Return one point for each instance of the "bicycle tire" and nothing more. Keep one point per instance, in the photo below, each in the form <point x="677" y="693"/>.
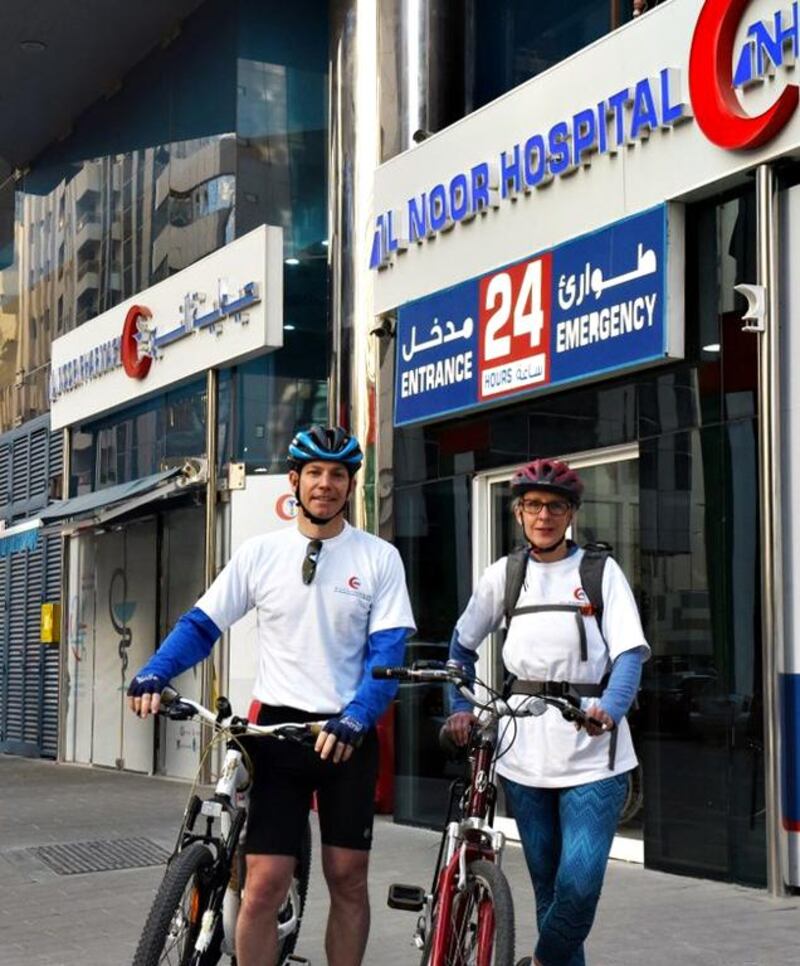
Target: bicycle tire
<point x="301" y="877"/>
<point x="160" y="943"/>
<point x="487" y="891"/>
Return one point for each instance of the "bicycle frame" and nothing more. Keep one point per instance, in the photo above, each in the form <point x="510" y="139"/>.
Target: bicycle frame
<point x="229" y="806"/>
<point x="463" y="842"/>
<point x="472" y="839"/>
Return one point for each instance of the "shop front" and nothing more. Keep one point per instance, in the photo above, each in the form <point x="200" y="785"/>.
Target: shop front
<point x="557" y="274"/>
<point x="139" y="553"/>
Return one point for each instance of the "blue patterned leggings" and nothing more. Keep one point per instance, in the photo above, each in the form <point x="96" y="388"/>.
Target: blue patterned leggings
<point x="566" y="834"/>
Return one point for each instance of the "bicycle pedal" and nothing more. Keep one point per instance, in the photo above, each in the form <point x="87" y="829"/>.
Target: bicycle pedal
<point x="408" y="897"/>
<point x="292" y="960"/>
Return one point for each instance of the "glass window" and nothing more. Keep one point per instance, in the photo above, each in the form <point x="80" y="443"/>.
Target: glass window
<point x="519" y="39"/>
<point x="435" y="543"/>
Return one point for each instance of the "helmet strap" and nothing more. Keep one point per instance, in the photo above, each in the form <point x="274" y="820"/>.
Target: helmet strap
<point x="551" y="548"/>
<point x="317" y="521"/>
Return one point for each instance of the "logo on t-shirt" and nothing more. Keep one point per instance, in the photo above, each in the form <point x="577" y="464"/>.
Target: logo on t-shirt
<point x="580" y="594"/>
<point x="353" y="589"/>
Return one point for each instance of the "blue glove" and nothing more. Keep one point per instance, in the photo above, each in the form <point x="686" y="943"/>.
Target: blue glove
<point x="146" y="684"/>
<point x="347" y="729"/>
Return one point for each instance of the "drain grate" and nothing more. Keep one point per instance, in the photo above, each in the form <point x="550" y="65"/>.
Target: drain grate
<point x="73" y="858"/>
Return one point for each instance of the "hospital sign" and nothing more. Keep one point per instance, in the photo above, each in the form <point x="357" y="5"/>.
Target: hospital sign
<point x="592" y="307"/>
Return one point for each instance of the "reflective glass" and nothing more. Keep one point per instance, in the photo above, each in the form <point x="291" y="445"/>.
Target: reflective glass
<point x="435" y="545"/>
<point x="519" y="39"/>
<point x="221" y="130"/>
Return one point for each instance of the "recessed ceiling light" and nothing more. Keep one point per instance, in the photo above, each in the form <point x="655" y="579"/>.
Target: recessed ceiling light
<point x="712" y="347"/>
<point x="32" y="46"/>
<point x="289" y="327"/>
<point x="292" y="261"/>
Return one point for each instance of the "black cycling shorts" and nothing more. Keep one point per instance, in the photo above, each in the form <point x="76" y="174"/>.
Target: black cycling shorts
<point x="285" y="776"/>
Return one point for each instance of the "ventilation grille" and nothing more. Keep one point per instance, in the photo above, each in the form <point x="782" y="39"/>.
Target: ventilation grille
<point x="76" y="858"/>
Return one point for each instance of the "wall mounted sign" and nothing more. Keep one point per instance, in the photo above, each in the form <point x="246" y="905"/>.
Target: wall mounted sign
<point x="690" y="94"/>
<point x="605" y="302"/>
<point x="222" y="309"/>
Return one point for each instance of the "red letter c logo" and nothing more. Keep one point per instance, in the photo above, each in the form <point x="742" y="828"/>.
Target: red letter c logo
<point x="714" y="99"/>
<point x="135" y="367"/>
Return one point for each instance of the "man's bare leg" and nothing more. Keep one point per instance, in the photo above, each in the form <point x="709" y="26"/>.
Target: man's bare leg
<point x="267" y="882"/>
<point x="348" y="920"/>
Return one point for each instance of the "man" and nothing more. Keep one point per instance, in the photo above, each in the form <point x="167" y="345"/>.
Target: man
<point x="332" y="603"/>
<point x="566" y="788"/>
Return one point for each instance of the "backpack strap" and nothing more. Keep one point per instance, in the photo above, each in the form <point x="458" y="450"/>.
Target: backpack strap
<point x="591" y="571"/>
<point x="516" y="565"/>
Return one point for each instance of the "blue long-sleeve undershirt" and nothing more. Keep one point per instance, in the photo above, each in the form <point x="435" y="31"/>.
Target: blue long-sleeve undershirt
<point x="467" y="659"/>
<point x="623" y="683"/>
<point x="194" y="635"/>
<point x="384" y="648"/>
<point x="189" y="642"/>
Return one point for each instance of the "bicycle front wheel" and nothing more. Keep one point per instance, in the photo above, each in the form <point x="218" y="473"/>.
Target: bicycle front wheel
<point x="172" y="928"/>
<point x="480" y="928"/>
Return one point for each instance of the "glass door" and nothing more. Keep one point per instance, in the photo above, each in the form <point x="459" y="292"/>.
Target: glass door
<point x="610" y="513"/>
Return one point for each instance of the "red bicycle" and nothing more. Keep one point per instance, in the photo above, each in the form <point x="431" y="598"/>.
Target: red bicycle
<point x="467" y="917"/>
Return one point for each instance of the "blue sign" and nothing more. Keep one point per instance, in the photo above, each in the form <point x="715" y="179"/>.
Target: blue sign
<point x="593" y="306"/>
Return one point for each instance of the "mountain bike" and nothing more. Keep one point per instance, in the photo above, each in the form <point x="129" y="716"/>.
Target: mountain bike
<point x="192" y="921"/>
<point x="467" y="915"/>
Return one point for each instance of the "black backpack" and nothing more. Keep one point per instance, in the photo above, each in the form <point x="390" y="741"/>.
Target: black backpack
<point x="591" y="574"/>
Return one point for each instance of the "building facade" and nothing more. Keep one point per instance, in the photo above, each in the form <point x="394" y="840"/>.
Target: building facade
<point x="527" y="137"/>
<point x="555" y="275"/>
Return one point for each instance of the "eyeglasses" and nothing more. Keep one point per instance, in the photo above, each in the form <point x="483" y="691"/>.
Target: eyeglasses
<point x="310" y="560"/>
<point x="556" y="508"/>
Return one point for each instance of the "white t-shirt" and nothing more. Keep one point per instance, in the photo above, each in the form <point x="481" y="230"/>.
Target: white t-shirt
<point x="547" y="751"/>
<point x="311" y="638"/>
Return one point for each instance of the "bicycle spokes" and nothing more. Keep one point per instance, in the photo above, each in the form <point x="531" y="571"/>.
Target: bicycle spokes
<point x="472" y="928"/>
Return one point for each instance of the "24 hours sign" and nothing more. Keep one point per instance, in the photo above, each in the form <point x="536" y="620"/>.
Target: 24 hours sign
<point x="595" y="306"/>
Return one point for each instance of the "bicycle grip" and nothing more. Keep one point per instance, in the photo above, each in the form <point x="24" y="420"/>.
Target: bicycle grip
<point x="389" y="673"/>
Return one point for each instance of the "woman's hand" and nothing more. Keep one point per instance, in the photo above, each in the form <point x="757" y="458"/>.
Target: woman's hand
<point x="598" y="714"/>
<point x="459" y="726"/>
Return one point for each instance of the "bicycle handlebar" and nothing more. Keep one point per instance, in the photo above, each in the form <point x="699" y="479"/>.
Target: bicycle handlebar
<point x="431" y="672"/>
<point x="179" y="708"/>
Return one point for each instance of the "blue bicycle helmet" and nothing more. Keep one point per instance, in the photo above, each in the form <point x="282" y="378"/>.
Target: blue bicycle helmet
<point x="331" y="444"/>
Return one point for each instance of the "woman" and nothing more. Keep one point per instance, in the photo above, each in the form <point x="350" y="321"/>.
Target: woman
<point x="566" y="787"/>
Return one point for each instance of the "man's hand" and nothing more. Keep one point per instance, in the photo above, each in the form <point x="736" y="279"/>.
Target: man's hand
<point x="339" y="737"/>
<point x="600" y="715"/>
<point x="144" y="694"/>
<point x="459" y="726"/>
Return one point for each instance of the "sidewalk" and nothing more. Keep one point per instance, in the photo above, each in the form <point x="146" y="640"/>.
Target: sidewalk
<point x="94" y="918"/>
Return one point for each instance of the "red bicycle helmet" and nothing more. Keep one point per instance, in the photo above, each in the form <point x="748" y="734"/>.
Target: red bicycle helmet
<point x="555" y="476"/>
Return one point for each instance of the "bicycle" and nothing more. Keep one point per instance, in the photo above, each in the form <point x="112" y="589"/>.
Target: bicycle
<point x="468" y="913"/>
<point x="193" y="917"/>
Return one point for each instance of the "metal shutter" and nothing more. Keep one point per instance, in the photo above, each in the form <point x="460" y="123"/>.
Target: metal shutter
<point x="48" y="742"/>
<point x="5" y="565"/>
<point x="19" y="468"/>
<point x="15" y="687"/>
<point x="5" y="475"/>
<point x="34" y="667"/>
<point x="37" y="462"/>
<point x="29" y="684"/>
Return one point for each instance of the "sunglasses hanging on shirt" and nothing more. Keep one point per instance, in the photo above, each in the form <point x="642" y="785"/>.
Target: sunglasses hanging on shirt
<point x="310" y="560"/>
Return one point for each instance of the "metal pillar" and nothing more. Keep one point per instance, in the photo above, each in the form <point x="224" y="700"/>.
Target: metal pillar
<point x="63" y="647"/>
<point x="769" y="438"/>
<point x="397" y="67"/>
<point x="354" y="139"/>
<point x="208" y="674"/>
